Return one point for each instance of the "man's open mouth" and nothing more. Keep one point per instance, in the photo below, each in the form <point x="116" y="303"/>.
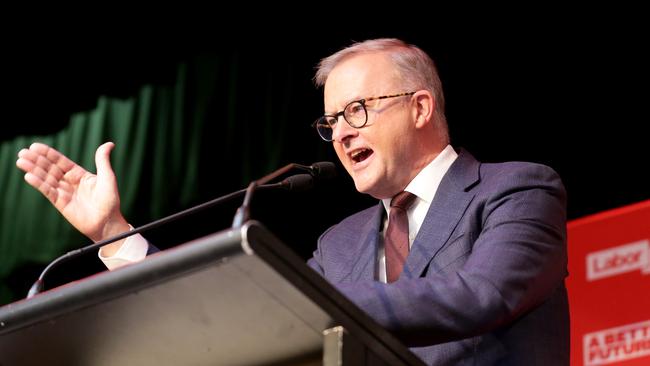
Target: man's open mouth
<point x="360" y="155"/>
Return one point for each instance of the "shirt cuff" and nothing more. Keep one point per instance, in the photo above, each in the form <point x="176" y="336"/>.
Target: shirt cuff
<point x="134" y="249"/>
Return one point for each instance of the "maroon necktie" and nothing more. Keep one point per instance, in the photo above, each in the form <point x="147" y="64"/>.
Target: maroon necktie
<point x="396" y="242"/>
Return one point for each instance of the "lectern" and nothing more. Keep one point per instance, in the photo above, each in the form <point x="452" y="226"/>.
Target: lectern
<point x="236" y="297"/>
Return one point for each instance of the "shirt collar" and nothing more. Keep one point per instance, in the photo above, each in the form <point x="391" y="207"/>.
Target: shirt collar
<point x="426" y="182"/>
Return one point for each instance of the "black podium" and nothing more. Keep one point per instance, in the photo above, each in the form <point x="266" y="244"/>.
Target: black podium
<point x="237" y="297"/>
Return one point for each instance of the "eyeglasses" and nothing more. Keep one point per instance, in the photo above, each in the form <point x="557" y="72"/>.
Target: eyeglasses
<point x="355" y="114"/>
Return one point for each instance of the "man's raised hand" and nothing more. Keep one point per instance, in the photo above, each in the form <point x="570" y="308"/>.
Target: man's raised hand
<point x="90" y="202"/>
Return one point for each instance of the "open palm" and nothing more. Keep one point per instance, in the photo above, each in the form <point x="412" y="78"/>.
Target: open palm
<point x="89" y="202"/>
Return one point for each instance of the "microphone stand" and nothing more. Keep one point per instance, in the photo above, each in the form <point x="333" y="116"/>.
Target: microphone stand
<point x="323" y="169"/>
<point x="300" y="182"/>
<point x="38" y="286"/>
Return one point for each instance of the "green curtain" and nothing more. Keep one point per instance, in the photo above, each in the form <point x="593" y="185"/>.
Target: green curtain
<point x="157" y="122"/>
<point x="225" y="120"/>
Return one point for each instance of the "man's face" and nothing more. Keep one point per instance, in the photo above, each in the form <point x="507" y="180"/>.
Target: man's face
<point x="379" y="155"/>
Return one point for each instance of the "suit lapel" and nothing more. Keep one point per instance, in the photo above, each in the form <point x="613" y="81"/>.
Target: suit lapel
<point x="365" y="261"/>
<point x="446" y="210"/>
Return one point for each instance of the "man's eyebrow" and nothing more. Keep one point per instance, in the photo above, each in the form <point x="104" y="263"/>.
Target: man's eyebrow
<point x="355" y="99"/>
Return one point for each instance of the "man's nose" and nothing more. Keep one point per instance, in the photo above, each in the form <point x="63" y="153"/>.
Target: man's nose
<point x="343" y="131"/>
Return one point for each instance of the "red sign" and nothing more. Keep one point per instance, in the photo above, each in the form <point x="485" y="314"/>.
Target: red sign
<point x="609" y="287"/>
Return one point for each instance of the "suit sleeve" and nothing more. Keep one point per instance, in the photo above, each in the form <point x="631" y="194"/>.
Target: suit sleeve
<point x="315" y="262"/>
<point x="517" y="261"/>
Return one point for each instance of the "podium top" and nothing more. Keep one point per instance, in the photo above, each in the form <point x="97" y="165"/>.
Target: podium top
<point x="234" y="297"/>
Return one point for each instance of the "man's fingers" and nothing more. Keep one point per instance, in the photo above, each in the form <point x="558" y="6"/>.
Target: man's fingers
<point x="34" y="181"/>
<point x="44" y="176"/>
<point x="25" y="165"/>
<point x="41" y="161"/>
<point x="53" y="156"/>
<point x="23" y="153"/>
<point x="52" y="169"/>
<point x="42" y="186"/>
<point x="50" y="161"/>
<point x="34" y="164"/>
<point x="40" y="158"/>
<point x="26" y="159"/>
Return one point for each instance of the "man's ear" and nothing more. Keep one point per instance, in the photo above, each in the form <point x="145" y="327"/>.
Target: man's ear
<point x="425" y="104"/>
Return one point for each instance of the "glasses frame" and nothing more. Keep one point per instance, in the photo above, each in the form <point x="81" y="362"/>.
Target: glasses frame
<point x="362" y="102"/>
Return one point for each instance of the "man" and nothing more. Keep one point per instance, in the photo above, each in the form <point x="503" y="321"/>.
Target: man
<point x="483" y="283"/>
<point x="468" y="268"/>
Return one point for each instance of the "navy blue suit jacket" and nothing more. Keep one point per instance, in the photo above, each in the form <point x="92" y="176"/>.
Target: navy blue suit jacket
<point x="484" y="281"/>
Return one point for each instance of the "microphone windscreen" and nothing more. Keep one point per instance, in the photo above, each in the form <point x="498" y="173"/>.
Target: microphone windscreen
<point x="299" y="182"/>
<point x="324" y="170"/>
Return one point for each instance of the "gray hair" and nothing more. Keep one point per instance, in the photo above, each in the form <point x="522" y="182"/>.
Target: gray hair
<point x="416" y="70"/>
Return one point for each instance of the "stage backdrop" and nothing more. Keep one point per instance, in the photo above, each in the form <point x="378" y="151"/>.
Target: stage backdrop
<point x="609" y="287"/>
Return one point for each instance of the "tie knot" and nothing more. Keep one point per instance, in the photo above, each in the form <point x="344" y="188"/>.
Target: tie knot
<point x="403" y="200"/>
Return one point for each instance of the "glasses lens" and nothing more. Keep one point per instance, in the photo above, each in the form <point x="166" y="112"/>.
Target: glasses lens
<point x="355" y="114"/>
<point x="324" y="127"/>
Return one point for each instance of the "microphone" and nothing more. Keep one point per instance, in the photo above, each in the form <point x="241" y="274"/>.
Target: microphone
<point x="294" y="183"/>
<point x="320" y="170"/>
<point x="324" y="170"/>
<point x="299" y="182"/>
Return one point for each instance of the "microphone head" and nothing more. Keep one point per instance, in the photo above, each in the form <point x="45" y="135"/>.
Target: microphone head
<point x="324" y="170"/>
<point x="299" y="182"/>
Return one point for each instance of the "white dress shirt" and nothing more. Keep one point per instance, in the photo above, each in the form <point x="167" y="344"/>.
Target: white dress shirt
<point x="424" y="186"/>
<point x="134" y="249"/>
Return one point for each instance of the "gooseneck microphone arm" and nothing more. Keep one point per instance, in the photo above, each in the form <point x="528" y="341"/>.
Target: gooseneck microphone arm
<point x="243" y="212"/>
<point x="38" y="286"/>
<point x="297" y="182"/>
<point x="320" y="170"/>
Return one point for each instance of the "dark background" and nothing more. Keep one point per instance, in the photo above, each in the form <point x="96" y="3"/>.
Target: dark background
<point x="568" y="94"/>
<point x="575" y="99"/>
